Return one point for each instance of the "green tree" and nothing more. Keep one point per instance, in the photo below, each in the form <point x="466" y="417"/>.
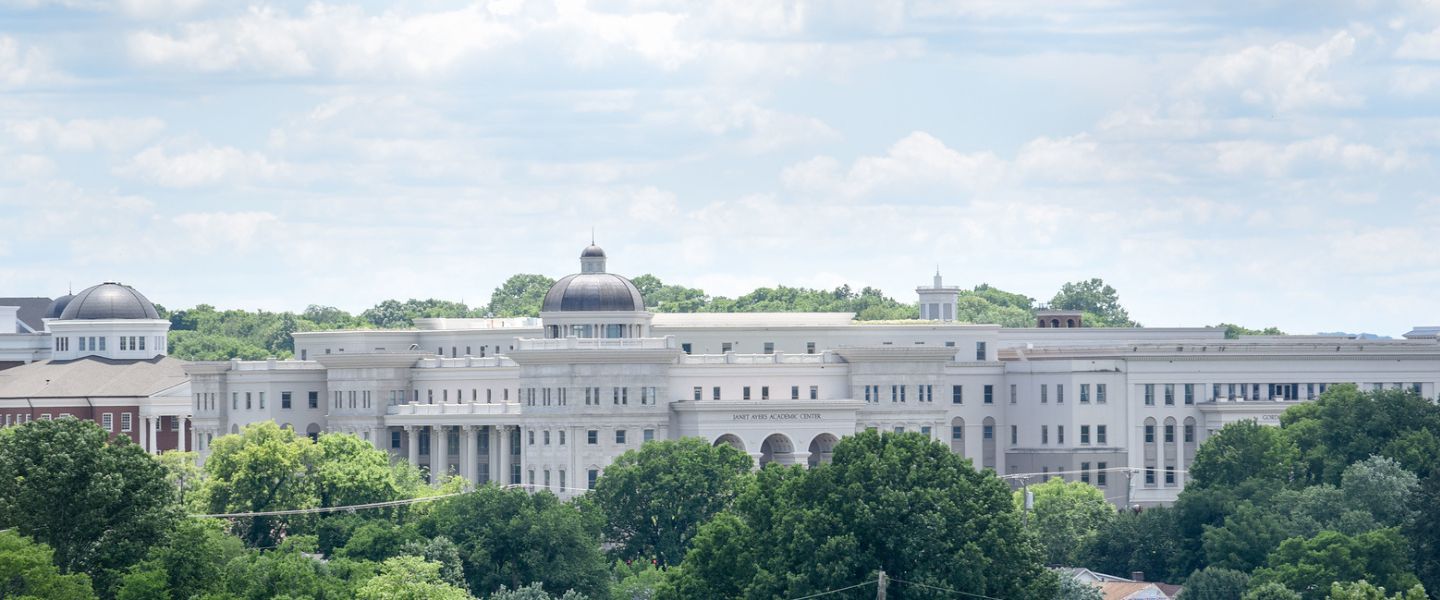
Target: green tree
<point x="636" y="580"/>
<point x="28" y="572"/>
<point x="193" y="345"/>
<point x="184" y="474"/>
<point x="1067" y="517"/>
<point x="1215" y="583"/>
<point x="1423" y="532"/>
<point x="899" y="502"/>
<point x="520" y="296"/>
<point x="189" y="563"/>
<point x="669" y="298"/>
<point x="1345" y="426"/>
<point x="534" y="591"/>
<point x="1099" y="302"/>
<point x="1147" y="542"/>
<point x="410" y="578"/>
<point x="656" y="497"/>
<point x="1074" y="589"/>
<point x="1270" y="591"/>
<point x="1380" y="486"/>
<point x="1233" y="331"/>
<point x="1311" y="565"/>
<point x="444" y="552"/>
<point x="1363" y="590"/>
<point x="1241" y="451"/>
<point x="99" y="502"/>
<point x="145" y="581"/>
<point x="511" y="537"/>
<point x="287" y="572"/>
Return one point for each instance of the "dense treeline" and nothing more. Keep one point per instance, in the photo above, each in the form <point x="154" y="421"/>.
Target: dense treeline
<point x="1340" y="502"/>
<point x="205" y="333"/>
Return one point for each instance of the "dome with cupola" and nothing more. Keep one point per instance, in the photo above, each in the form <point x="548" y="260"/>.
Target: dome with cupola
<point x="592" y="289"/>
<point x="108" y="301"/>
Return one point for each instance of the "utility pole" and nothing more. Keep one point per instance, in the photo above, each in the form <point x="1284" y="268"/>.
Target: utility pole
<point x="880" y="586"/>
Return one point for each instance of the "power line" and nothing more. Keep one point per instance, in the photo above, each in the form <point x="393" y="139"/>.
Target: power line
<point x="827" y="593"/>
<point x="941" y="589"/>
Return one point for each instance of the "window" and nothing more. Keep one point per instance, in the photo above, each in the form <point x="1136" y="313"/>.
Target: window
<point x="314" y="399"/>
<point x="725" y="346"/>
<point x="592" y="437"/>
<point x="814" y="392"/>
<point x="1044" y="393"/>
<point x="794" y="392"/>
<point x="1085" y="472"/>
<point x="1189" y="433"/>
<point x="1100" y="434"/>
<point x="102" y="342"/>
<point x="957" y="394"/>
<point x="1060" y="434"/>
<point x="285" y="400"/>
<point x="1014" y="435"/>
<point x="395" y="440"/>
<point x="769" y="347"/>
<point x="764" y="392"/>
<point x="1149" y="394"/>
<point x="647" y="435"/>
<point x="262" y="400"/>
<point x="1170" y="475"/>
<point x="988" y="432"/>
<point x="234" y="400"/>
<point x="1149" y="434"/>
<point x="123" y="345"/>
<point x="1044" y="434"/>
<point x="1099" y="393"/>
<point x="562" y="437"/>
<point x="925" y="430"/>
<point x="698" y="390"/>
<point x="1169" y="394"/>
<point x="546" y="436"/>
<point x="1189" y="393"/>
<point x="1059" y="393"/>
<point x="1014" y="393"/>
<point x="899" y="429"/>
<point x="745" y="393"/>
<point x="619" y="436"/>
<point x="248" y="403"/>
<point x="1084" y="393"/>
<point x="809" y="347"/>
<point x="1149" y="476"/>
<point x="979" y="350"/>
<point x="686" y="349"/>
<point x="107" y="421"/>
<point x="1085" y="435"/>
<point x="590" y="477"/>
<point x="989" y="394"/>
<point x="531" y="437"/>
<point x="1100" y="474"/>
<point x="957" y="433"/>
<point x="125" y="422"/>
<point x="1169" y="434"/>
<point x="715" y="392"/>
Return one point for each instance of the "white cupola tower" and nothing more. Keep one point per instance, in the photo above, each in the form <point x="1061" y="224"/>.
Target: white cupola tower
<point x="938" y="303"/>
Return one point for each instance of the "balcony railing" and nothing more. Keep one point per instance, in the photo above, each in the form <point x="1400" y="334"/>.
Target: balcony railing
<point x="465" y="408"/>
<point x="574" y="343"/>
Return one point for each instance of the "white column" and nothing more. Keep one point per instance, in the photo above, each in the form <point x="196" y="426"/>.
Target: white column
<point x="439" y="452"/>
<point x="494" y="465"/>
<point x="182" y="439"/>
<point x="144" y="433"/>
<point x="412" y="434"/>
<point x="469" y="459"/>
<point x="504" y="460"/>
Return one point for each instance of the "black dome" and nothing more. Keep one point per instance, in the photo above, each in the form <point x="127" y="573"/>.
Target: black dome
<point x="592" y="251"/>
<point x="58" y="306"/>
<point x="109" y="301"/>
<point x="593" y="292"/>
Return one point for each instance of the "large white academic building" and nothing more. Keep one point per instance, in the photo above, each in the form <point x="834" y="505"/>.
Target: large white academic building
<point x="549" y="402"/>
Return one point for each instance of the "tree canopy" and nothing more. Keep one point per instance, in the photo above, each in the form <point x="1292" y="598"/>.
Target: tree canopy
<point x="1066" y="517"/>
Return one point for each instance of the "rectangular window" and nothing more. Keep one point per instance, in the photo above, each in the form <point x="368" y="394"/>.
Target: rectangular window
<point x="262" y="400"/>
<point x="123" y="345"/>
<point x="248" y="403"/>
<point x="814" y="392"/>
<point x="1149" y="434"/>
<point x="1189" y="393"/>
<point x="899" y="429"/>
<point x="619" y="436"/>
<point x="107" y="421"/>
<point x="1189" y="434"/>
<point x="1014" y="435"/>
<point x="698" y="390"/>
<point x="1085" y="435"/>
<point x="1149" y="476"/>
<point x="957" y="433"/>
<point x="769" y="347"/>
<point x="1149" y="394"/>
<point x="592" y="437"/>
<point x="234" y="400"/>
<point x="1044" y="434"/>
<point x="125" y="422"/>
<point x="1100" y="474"/>
<point x="1099" y="393"/>
<point x="1100" y="434"/>
<point x="957" y="394"/>
<point x="1085" y="472"/>
<point x="685" y="348"/>
<point x="1014" y="393"/>
<point x="715" y="392"/>
<point x="1060" y="434"/>
<point x="902" y="393"/>
<point x="141" y="339"/>
<point x="1169" y="434"/>
<point x="395" y="440"/>
<point x="988" y="432"/>
<point x="546" y="437"/>
<point x="980" y="351"/>
<point x="794" y="392"/>
<point x="725" y="346"/>
<point x="1169" y="394"/>
<point x="1044" y="393"/>
<point x="562" y="437"/>
<point x="809" y="347"/>
<point x="745" y="393"/>
<point x="1084" y="393"/>
<point x="989" y="394"/>
<point x="590" y="477"/>
<point x="285" y="400"/>
<point x="764" y="392"/>
<point x="925" y="429"/>
<point x="102" y="342"/>
<point x="648" y="434"/>
<point x="314" y="399"/>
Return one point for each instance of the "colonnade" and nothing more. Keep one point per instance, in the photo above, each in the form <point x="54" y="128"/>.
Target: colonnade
<point x="500" y="453"/>
<point x="150" y="428"/>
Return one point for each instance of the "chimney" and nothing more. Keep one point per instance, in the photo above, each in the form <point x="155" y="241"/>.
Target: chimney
<point x="1137" y="575"/>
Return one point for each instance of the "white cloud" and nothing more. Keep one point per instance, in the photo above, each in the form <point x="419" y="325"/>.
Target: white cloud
<point x="83" y="134"/>
<point x="917" y="163"/>
<point x="1282" y="76"/>
<point x="238" y="231"/>
<point x="20" y="66"/>
<point x="1283" y="159"/>
<point x="1420" y="46"/>
<point x="761" y="129"/>
<point x="1074" y="158"/>
<point x="205" y="165"/>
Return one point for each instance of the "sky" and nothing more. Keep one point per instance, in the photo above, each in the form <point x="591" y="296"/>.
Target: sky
<point x="1262" y="163"/>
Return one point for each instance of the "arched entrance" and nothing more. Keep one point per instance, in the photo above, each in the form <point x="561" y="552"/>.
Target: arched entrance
<point x="732" y="440"/>
<point x="777" y="448"/>
<point x="821" y="448"/>
<point x="313" y="430"/>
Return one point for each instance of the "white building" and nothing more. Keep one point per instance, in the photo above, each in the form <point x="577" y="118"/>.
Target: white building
<point x="551" y="402"/>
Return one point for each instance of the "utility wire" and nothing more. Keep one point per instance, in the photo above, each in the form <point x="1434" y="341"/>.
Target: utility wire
<point x="827" y="593"/>
<point x="940" y="589"/>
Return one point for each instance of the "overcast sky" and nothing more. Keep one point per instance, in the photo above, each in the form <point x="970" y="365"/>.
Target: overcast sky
<point x="1257" y="162"/>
